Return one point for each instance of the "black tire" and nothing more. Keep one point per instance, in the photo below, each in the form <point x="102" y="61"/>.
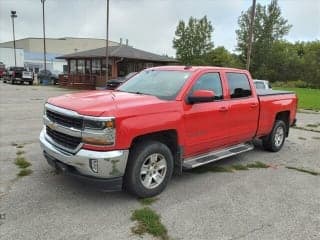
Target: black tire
<point x="140" y="153"/>
<point x="272" y="142"/>
<point x="30" y="83"/>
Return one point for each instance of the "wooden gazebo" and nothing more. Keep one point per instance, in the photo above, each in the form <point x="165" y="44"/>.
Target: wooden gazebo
<point x="87" y="69"/>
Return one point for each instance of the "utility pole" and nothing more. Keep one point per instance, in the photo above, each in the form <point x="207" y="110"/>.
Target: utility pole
<point x="253" y="10"/>
<point x="107" y="43"/>
<point x="13" y="16"/>
<point x="44" y="38"/>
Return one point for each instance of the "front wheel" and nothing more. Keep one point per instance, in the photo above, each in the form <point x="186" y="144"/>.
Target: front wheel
<point x="149" y="169"/>
<point x="274" y="141"/>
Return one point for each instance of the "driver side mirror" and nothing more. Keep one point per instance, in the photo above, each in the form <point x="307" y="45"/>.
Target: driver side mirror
<point x="199" y="96"/>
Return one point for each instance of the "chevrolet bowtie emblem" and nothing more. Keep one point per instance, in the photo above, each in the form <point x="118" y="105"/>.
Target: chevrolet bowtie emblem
<point x="52" y="125"/>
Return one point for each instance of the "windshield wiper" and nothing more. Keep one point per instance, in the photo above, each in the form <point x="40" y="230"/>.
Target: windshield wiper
<point x="137" y="92"/>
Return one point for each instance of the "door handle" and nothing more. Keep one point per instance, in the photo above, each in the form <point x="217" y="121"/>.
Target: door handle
<point x="223" y="109"/>
<point x="253" y="105"/>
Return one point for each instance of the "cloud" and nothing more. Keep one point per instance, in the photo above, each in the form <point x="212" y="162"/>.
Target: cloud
<point x="149" y="25"/>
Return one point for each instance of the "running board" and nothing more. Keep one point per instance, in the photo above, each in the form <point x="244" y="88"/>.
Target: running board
<point x="202" y="159"/>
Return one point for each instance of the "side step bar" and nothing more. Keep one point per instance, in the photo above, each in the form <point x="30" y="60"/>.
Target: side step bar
<point x="202" y="159"/>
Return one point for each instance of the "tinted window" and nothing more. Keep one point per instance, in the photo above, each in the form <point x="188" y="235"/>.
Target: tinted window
<point x="211" y="82"/>
<point x="238" y="85"/>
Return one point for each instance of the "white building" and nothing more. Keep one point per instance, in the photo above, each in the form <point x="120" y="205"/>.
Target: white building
<point x="7" y="56"/>
<point x="30" y="51"/>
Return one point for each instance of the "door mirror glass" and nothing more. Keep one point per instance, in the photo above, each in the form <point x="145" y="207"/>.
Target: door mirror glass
<point x="201" y="96"/>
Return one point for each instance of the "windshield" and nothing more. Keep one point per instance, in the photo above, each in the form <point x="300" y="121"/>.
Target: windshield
<point x="159" y="83"/>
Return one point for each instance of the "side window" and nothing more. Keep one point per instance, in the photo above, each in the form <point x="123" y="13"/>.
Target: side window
<point x="211" y="82"/>
<point x="239" y="85"/>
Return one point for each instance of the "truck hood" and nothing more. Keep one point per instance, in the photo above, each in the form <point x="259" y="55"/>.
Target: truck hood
<point x="109" y="103"/>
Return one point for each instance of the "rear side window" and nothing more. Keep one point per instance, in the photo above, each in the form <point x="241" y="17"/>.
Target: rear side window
<point x="259" y="85"/>
<point x="211" y="82"/>
<point x="238" y="85"/>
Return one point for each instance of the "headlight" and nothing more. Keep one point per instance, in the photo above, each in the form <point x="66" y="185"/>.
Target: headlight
<point x="99" y="131"/>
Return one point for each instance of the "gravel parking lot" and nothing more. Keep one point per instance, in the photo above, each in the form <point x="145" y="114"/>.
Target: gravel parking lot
<point x="271" y="203"/>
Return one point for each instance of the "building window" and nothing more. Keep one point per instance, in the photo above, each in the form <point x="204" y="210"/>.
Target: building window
<point x="73" y="66"/>
<point x="103" y="68"/>
<point x="88" y="66"/>
<point x="149" y="65"/>
<point x="96" y="66"/>
<point x="81" y="66"/>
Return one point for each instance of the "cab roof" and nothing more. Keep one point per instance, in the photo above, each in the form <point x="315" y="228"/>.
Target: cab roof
<point x="196" y="68"/>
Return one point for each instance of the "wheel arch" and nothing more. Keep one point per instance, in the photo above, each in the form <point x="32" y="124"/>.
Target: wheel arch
<point x="170" y="139"/>
<point x="285" y="117"/>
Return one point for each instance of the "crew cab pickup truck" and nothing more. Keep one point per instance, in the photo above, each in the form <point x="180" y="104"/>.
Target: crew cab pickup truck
<point x="163" y="120"/>
<point x="18" y="75"/>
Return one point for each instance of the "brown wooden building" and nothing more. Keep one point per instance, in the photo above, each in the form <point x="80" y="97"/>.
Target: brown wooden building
<point x="87" y="69"/>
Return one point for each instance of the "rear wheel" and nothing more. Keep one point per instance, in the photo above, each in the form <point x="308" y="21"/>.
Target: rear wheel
<point x="149" y="168"/>
<point x="274" y="141"/>
<point x="30" y="83"/>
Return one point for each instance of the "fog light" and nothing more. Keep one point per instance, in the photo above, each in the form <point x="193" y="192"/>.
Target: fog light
<point x="94" y="165"/>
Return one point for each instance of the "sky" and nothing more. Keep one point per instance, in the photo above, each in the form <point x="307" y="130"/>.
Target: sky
<point x="147" y="24"/>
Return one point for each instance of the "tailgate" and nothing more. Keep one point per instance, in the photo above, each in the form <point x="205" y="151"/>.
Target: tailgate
<point x="26" y="74"/>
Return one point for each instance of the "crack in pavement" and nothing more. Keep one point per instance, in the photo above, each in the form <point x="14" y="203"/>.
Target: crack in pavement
<point x="250" y="232"/>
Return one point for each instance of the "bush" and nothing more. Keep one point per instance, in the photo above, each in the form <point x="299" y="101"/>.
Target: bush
<point x="292" y="84"/>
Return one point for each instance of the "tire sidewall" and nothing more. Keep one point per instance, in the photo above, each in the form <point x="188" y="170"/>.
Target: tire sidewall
<point x="278" y="124"/>
<point x="136" y="159"/>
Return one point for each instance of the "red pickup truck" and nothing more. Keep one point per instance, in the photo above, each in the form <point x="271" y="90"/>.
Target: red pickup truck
<point x="163" y="120"/>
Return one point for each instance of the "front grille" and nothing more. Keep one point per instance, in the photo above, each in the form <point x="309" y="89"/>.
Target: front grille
<point x="63" y="139"/>
<point x="65" y="120"/>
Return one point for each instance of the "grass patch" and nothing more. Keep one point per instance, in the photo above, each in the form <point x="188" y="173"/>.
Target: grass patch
<point x="147" y="201"/>
<point x="239" y="167"/>
<point x="232" y="168"/>
<point x="21" y="162"/>
<point x="148" y="222"/>
<point x="20" y="152"/>
<point x="306" y="129"/>
<point x="313" y="125"/>
<point x="302" y="138"/>
<point x="24" y="172"/>
<point x="314" y="173"/>
<point x="257" y="165"/>
<point x="20" y="146"/>
<point x="308" y="98"/>
<point x="210" y="168"/>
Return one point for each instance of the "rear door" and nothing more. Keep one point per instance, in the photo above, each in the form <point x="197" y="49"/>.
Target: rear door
<point x="243" y="111"/>
<point x="206" y="123"/>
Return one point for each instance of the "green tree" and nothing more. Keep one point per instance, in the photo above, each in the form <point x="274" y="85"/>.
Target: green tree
<point x="221" y="57"/>
<point x="269" y="26"/>
<point x="311" y="63"/>
<point x="193" y="40"/>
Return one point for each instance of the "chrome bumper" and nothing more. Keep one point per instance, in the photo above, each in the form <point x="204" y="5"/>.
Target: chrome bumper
<point x="111" y="164"/>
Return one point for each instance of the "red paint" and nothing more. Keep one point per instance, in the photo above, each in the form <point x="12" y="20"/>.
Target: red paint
<point x="200" y="127"/>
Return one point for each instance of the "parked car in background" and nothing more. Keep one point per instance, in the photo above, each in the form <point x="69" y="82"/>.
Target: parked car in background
<point x="18" y="75"/>
<point x="262" y="84"/>
<point x="2" y="69"/>
<point x="114" y="83"/>
<point x="52" y="76"/>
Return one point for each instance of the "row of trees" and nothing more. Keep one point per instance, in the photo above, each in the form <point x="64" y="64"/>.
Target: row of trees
<point x="272" y="57"/>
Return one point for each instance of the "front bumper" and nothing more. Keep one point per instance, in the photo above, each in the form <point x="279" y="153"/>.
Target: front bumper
<point x="111" y="164"/>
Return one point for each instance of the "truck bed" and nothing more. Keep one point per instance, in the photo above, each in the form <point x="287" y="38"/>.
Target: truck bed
<point x="269" y="92"/>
